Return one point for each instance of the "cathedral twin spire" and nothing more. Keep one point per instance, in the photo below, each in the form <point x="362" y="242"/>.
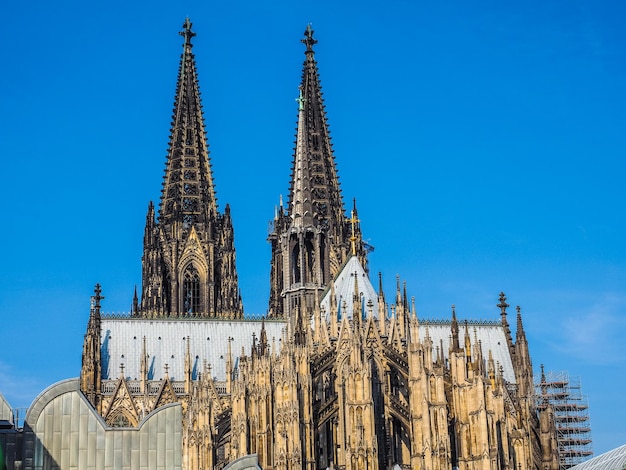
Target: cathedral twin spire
<point x="189" y="255"/>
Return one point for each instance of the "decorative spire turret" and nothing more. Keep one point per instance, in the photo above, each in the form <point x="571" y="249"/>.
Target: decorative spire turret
<point x="135" y="306"/>
<point x="491" y="371"/>
<point x="189" y="255"/>
<point x="91" y="370"/>
<point x="455" y="331"/>
<point x="468" y="345"/>
<point x="519" y="333"/>
<point x="354" y="220"/>
<point x="398" y="291"/>
<point x="405" y="297"/>
<point x="382" y="305"/>
<point x="522" y="364"/>
<point x="505" y="324"/>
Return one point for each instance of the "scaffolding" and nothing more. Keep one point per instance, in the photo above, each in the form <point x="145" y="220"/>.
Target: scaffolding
<point x="571" y="416"/>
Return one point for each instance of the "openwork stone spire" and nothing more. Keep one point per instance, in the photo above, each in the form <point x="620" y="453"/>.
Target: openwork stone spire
<point x="189" y="255"/>
<point x="312" y="238"/>
<point x="314" y="193"/>
<point x="188" y="196"/>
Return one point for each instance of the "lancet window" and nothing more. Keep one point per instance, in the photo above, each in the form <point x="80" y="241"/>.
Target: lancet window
<point x="191" y="291"/>
<point x="295" y="262"/>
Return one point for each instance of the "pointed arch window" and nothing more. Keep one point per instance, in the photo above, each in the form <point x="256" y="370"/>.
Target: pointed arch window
<point x="309" y="259"/>
<point x="191" y="291"/>
<point x="295" y="262"/>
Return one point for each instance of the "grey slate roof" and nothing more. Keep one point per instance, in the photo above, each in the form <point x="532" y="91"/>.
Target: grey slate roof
<point x="122" y="341"/>
<point x="166" y="340"/>
<point x="344" y="291"/>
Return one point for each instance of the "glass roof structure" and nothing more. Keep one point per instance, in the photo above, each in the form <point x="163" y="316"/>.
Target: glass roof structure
<point x="612" y="460"/>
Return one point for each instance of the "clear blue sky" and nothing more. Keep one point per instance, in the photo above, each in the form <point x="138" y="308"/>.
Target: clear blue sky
<point x="485" y="143"/>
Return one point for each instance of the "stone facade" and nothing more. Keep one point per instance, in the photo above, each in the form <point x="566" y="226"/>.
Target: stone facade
<point x="337" y="376"/>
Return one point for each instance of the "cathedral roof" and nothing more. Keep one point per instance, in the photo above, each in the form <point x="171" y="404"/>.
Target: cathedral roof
<point x="166" y="343"/>
<point x="344" y="290"/>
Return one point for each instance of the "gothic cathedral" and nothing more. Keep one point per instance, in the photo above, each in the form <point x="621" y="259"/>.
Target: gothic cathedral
<point x="336" y="375"/>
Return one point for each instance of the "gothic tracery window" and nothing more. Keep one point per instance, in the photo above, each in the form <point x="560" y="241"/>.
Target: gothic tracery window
<point x="119" y="421"/>
<point x="191" y="291"/>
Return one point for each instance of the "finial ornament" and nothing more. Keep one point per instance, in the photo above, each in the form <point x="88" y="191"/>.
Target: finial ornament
<point x="187" y="33"/>
<point x="95" y="299"/>
<point x="502" y="305"/>
<point x="308" y="38"/>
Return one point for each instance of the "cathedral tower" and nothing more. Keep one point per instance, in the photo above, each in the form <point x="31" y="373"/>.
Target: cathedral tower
<point x="189" y="254"/>
<point x="311" y="239"/>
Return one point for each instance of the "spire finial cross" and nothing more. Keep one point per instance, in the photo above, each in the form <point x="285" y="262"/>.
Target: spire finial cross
<point x="187" y="33"/>
<point x="503" y="305"/>
<point x="95" y="299"/>
<point x="308" y="38"/>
